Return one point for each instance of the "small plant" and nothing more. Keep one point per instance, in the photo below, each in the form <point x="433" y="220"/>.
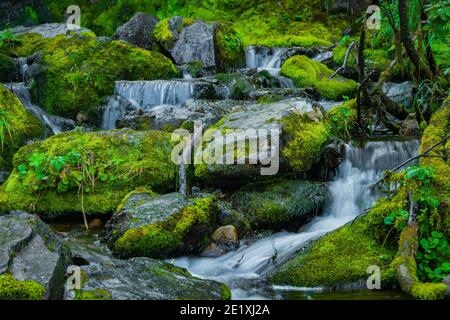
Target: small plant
<point x="8" y="39"/>
<point x="398" y="219"/>
<point x="433" y="258"/>
<point x="341" y="122"/>
<point x="5" y="129"/>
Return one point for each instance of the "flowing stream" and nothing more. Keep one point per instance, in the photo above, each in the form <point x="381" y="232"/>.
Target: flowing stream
<point x="243" y="270"/>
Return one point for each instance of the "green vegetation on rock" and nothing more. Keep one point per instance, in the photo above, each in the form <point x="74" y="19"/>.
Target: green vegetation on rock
<point x="13" y="289"/>
<point x="92" y="171"/>
<point x="309" y="73"/>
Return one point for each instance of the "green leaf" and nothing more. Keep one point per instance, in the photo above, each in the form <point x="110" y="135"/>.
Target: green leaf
<point x="424" y="244"/>
<point x="388" y="220"/>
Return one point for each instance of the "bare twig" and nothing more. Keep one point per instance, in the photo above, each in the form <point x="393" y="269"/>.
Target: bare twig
<point x="344" y="65"/>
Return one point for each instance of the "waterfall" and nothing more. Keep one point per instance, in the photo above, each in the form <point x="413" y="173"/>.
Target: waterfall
<point x="23" y="93"/>
<point x="268" y="59"/>
<point x="146" y="95"/>
<point x="243" y="270"/>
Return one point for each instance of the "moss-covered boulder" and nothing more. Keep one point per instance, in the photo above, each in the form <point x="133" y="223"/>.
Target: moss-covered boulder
<point x="9" y="70"/>
<point x="16" y="126"/>
<point x="160" y="226"/>
<point x="79" y="70"/>
<point x="215" y="46"/>
<point x="285" y="204"/>
<point x="91" y="172"/>
<point x="33" y="259"/>
<point x="309" y="73"/>
<point x="342" y="257"/>
<point x="297" y="123"/>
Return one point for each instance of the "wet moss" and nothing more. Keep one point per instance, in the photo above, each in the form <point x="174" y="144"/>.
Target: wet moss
<point x="96" y="294"/>
<point x="309" y="73"/>
<point x="306" y="139"/>
<point x="16" y="124"/>
<point x="343" y="256"/>
<point x="12" y="289"/>
<point x="164" y="238"/>
<point x="120" y="161"/>
<point x="429" y="291"/>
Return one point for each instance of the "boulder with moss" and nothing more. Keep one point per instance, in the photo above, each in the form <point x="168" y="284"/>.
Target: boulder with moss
<point x="155" y="226"/>
<point x="296" y="122"/>
<point x="77" y="172"/>
<point x="9" y="70"/>
<point x="78" y="71"/>
<point x="281" y="205"/>
<point x="342" y="257"/>
<point x="16" y="126"/>
<point x="33" y="259"/>
<point x="138" y="31"/>
<point x="309" y="73"/>
<point x="215" y="45"/>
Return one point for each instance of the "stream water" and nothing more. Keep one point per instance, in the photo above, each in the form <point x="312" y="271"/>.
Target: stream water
<point x="352" y="192"/>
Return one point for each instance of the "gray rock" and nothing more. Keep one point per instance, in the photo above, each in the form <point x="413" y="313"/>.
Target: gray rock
<point x="410" y="127"/>
<point x="3" y="176"/>
<point x="47" y="30"/>
<point x="285" y="204"/>
<point x="30" y="250"/>
<point x="401" y="93"/>
<point x="146" y="279"/>
<point x="138" y="31"/>
<point x="142" y="209"/>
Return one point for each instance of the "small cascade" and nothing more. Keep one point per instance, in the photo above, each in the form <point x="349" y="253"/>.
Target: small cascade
<point x="268" y="59"/>
<point x="352" y="192"/>
<point x="116" y="108"/>
<point x="23" y="68"/>
<point x="55" y="123"/>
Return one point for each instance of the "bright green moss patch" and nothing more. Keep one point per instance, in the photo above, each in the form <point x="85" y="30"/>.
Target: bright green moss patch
<point x="16" y="126"/>
<point x="342" y="120"/>
<point x="229" y="45"/>
<point x="344" y="255"/>
<point x="429" y="291"/>
<point x="48" y="174"/>
<point x="96" y="294"/>
<point x="309" y="73"/>
<point x="80" y="70"/>
<point x="162" y="31"/>
<point x="12" y="289"/>
<point x="307" y="139"/>
<point x="167" y="237"/>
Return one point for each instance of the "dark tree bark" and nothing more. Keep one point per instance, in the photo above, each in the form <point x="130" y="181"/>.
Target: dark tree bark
<point x="423" y="71"/>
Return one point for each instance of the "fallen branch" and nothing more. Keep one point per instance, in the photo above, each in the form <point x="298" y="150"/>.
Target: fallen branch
<point x="344" y="65"/>
<point x="423" y="154"/>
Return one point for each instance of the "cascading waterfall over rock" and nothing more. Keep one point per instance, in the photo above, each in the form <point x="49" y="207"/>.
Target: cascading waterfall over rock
<point x="352" y="192"/>
<point x="55" y="123"/>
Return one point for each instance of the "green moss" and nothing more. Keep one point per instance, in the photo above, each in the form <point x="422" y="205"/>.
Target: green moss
<point x="344" y="255"/>
<point x="96" y="294"/>
<point x="374" y="58"/>
<point x="80" y="70"/>
<point x="307" y="139"/>
<point x="162" y="31"/>
<point x="229" y="45"/>
<point x="12" y="289"/>
<point x="226" y="292"/>
<point x="429" y="291"/>
<point x="309" y="73"/>
<point x="7" y="68"/>
<point x="342" y="120"/>
<point x="120" y="161"/>
<point x="165" y="238"/>
<point x="17" y="126"/>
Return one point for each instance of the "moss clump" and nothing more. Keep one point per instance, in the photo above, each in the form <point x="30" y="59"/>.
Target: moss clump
<point x="8" y="68"/>
<point x="166" y="238"/>
<point x="16" y="126"/>
<point x="162" y="31"/>
<point x="344" y="255"/>
<point x="80" y="70"/>
<point x="229" y="46"/>
<point x="309" y="73"/>
<point x="280" y="204"/>
<point x="96" y="294"/>
<point x="47" y="179"/>
<point x="306" y="141"/>
<point x="429" y="291"/>
<point x="226" y="292"/>
<point x="13" y="289"/>
<point x="342" y="120"/>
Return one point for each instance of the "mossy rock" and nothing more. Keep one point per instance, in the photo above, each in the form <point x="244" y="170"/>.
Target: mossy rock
<point x="280" y="205"/>
<point x="13" y="289"/>
<point x="48" y="174"/>
<point x="161" y="226"/>
<point x="17" y="126"/>
<point x="342" y="120"/>
<point x="309" y="73"/>
<point x="78" y="71"/>
<point x="9" y="71"/>
<point x="343" y="256"/>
